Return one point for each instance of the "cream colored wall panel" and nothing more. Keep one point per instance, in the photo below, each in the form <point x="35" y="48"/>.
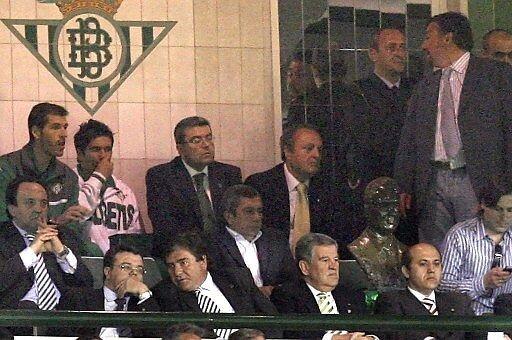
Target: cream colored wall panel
<point x="110" y="114"/>
<point x="25" y="77"/>
<point x="6" y="91"/>
<point x="20" y="110"/>
<point x="268" y="85"/>
<point x="252" y="76"/>
<point x="49" y="88"/>
<point x="5" y="34"/>
<point x="182" y="11"/>
<point x="207" y="75"/>
<point x="77" y="115"/>
<point x="178" y="112"/>
<point x="7" y="127"/>
<point x="47" y="11"/>
<point x="158" y="130"/>
<point x="182" y="74"/>
<point x="131" y="131"/>
<point x="22" y="9"/>
<point x="228" y="18"/>
<point x="132" y="90"/>
<point x="156" y="79"/>
<point x="6" y="66"/>
<point x="230" y="75"/>
<point x="266" y="27"/>
<point x="130" y="10"/>
<point x="258" y="132"/>
<point x="211" y="112"/>
<point x="251" y="23"/>
<point x="154" y="10"/>
<point x="231" y="123"/>
<point x="205" y="22"/>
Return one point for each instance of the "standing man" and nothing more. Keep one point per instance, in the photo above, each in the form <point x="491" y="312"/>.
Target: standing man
<point x="243" y="243"/>
<point x="185" y="194"/>
<point x="47" y="127"/>
<point x="112" y="203"/>
<point x="478" y="251"/>
<point x="497" y="45"/>
<point x="38" y="262"/>
<point x="421" y="266"/>
<point x="295" y="199"/>
<point x="458" y="131"/>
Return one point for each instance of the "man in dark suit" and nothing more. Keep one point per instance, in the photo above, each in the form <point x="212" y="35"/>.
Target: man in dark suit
<point x="35" y="254"/>
<point x="317" y="292"/>
<point x="458" y="133"/>
<point x="123" y="290"/>
<point x="193" y="288"/>
<point x="243" y="243"/>
<point x="421" y="266"/>
<point x="297" y="180"/>
<point x="185" y="194"/>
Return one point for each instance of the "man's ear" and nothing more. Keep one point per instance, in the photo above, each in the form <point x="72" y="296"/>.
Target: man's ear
<point x="35" y="131"/>
<point x="405" y="271"/>
<point x="372" y="54"/>
<point x="227" y="216"/>
<point x="11" y="208"/>
<point x="304" y="267"/>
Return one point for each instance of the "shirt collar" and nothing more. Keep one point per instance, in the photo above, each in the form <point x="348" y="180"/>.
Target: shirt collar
<point x="460" y="65"/>
<point x="387" y="82"/>
<point x="191" y="171"/>
<point x="110" y="295"/>
<point x="239" y="238"/>
<point x="421" y="296"/>
<point x="315" y="291"/>
<point x="208" y="283"/>
<point x="291" y="181"/>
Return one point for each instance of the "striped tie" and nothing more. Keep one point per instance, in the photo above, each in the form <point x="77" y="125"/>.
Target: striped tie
<point x="46" y="290"/>
<point x="324" y="304"/>
<point x="207" y="305"/>
<point x="430" y="305"/>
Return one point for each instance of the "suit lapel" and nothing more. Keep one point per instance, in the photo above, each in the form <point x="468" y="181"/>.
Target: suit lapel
<point x="264" y="256"/>
<point x="431" y="96"/>
<point x="188" y="301"/>
<point x="282" y="195"/>
<point x="469" y="87"/>
<point x="411" y="305"/>
<point x="230" y="244"/>
<point x="187" y="190"/>
<point x="216" y="187"/>
<point x="309" y="299"/>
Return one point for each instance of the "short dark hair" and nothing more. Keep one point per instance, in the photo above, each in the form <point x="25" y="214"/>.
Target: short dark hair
<point x="191" y="241"/>
<point x="289" y="130"/>
<point x="39" y="115"/>
<point x="407" y="256"/>
<point x="305" y="245"/>
<point x="186" y="123"/>
<point x="376" y="36"/>
<point x="246" y="334"/>
<point x="11" y="192"/>
<point x="491" y="193"/>
<point x="488" y="35"/>
<point x="110" y="255"/>
<point x="458" y="24"/>
<point x="90" y="130"/>
<point x="233" y="195"/>
<point x="176" y="331"/>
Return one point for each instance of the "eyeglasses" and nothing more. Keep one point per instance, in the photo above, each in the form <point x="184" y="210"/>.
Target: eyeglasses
<point x="125" y="267"/>
<point x="199" y="139"/>
<point x="498" y="255"/>
<point x="503" y="55"/>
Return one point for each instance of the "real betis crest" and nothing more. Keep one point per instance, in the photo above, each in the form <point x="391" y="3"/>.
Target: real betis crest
<point x="89" y="52"/>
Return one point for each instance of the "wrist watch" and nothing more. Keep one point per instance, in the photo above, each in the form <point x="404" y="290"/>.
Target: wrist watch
<point x="63" y="253"/>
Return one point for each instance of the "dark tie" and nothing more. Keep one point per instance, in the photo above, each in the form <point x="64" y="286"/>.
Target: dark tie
<point x="395" y="90"/>
<point x="449" y="129"/>
<point x="430" y="305"/>
<point x="207" y="305"/>
<point x="122" y="331"/>
<point x="46" y="290"/>
<point x="204" y="202"/>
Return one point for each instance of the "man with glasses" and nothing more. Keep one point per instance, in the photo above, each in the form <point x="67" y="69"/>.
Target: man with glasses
<point x="185" y="194"/>
<point x="123" y="290"/>
<point x="497" y="45"/>
<point x="478" y="251"/>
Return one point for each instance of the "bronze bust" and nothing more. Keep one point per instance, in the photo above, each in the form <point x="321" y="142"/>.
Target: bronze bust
<point x="377" y="250"/>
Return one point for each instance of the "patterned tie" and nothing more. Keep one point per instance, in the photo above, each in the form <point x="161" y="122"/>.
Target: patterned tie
<point x="204" y="202"/>
<point x="324" y="304"/>
<point x="122" y="331"/>
<point x="301" y="222"/>
<point x="46" y="290"/>
<point x="430" y="305"/>
<point x="207" y="305"/>
<point x="449" y="129"/>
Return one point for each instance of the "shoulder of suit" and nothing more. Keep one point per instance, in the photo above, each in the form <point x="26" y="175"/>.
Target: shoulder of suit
<point x="267" y="174"/>
<point x="225" y="166"/>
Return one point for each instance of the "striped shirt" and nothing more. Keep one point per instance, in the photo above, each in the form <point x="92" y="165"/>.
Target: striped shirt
<point x="467" y="257"/>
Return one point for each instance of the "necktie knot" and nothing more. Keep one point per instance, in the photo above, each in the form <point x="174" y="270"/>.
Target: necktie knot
<point x="447" y="72"/>
<point x="30" y="237"/>
<point x="120" y="303"/>
<point x="199" y="179"/>
<point x="430" y="304"/>
<point x="302" y="189"/>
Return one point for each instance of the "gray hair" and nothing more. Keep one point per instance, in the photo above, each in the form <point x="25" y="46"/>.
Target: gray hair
<point x="305" y="245"/>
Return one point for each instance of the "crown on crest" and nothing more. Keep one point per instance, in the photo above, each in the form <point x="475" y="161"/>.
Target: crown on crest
<point x="108" y="6"/>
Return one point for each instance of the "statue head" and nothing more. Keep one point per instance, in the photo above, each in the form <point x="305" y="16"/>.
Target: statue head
<point x="381" y="200"/>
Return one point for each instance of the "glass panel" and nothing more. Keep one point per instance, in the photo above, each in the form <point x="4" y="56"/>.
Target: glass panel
<point x="364" y="64"/>
<point x="417" y="19"/>
<point x="341" y="25"/>
<point x="417" y="64"/>
<point x="367" y="22"/>
<point x="347" y="58"/>
<point x="393" y="13"/>
<point x="316" y="15"/>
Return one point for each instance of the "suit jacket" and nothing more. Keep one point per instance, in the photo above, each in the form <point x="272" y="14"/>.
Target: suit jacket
<point x="485" y="124"/>
<point x="90" y="299"/>
<point x="272" y="187"/>
<point x="295" y="297"/>
<point x="274" y="255"/>
<point x="16" y="281"/>
<point x="404" y="303"/>
<point x="173" y="206"/>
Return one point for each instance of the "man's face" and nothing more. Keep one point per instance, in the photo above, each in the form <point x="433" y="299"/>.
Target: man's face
<point x="435" y="45"/>
<point x="186" y="272"/>
<point x="389" y="58"/>
<point x="99" y="148"/>
<point x="247" y="218"/>
<point x="498" y="219"/>
<point x="303" y="159"/>
<point x="52" y="137"/>
<point x="31" y="206"/>
<point x="500" y="47"/>
<point x="424" y="272"/>
<point x="323" y="271"/>
<point x="125" y="265"/>
<point x="197" y="149"/>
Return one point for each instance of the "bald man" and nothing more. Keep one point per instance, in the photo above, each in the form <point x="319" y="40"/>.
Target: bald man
<point x="497" y="45"/>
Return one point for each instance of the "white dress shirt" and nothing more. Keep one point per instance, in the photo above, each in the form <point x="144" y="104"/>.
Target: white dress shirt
<point x="292" y="183"/>
<point x="210" y="289"/>
<point x="249" y="253"/>
<point x="329" y="334"/>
